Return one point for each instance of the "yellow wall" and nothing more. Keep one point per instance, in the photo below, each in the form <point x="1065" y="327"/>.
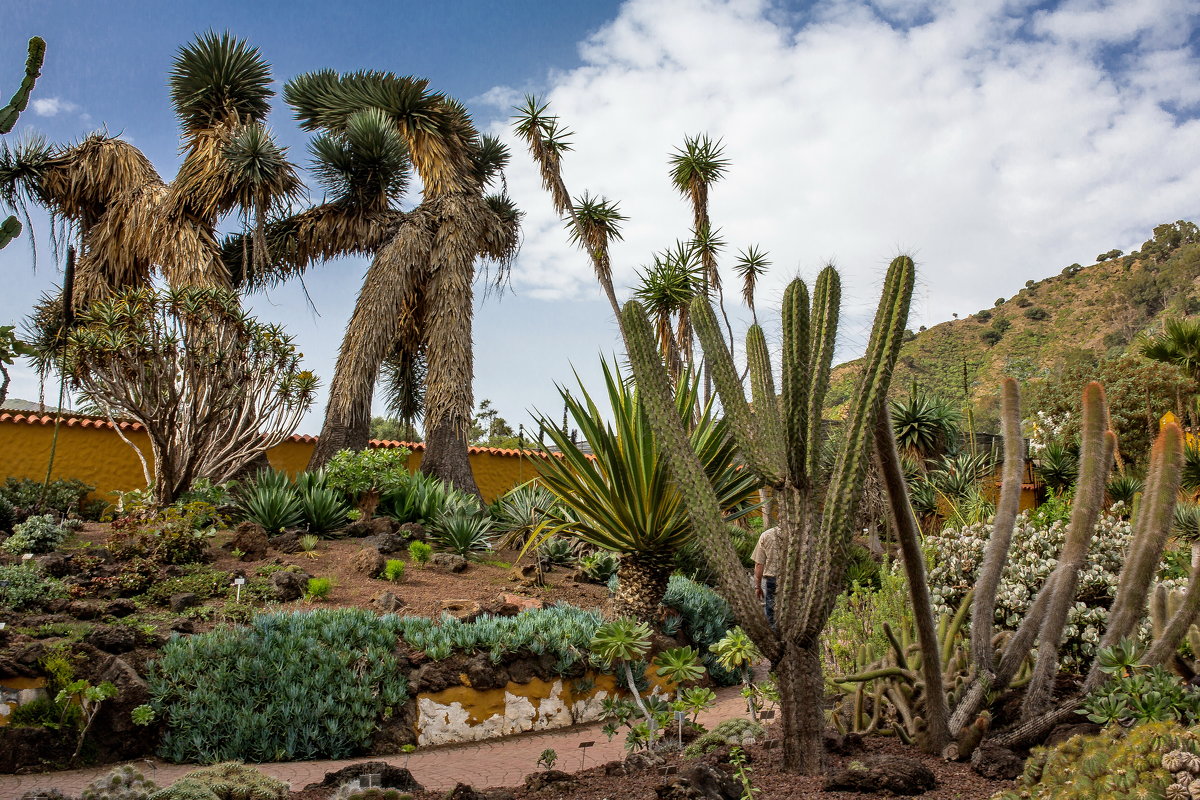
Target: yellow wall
<point x="95" y="454"/>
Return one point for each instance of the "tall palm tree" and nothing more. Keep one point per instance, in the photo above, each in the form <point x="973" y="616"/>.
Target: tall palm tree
<point x="1178" y="344"/>
<point x="129" y="223"/>
<point x="416" y="298"/>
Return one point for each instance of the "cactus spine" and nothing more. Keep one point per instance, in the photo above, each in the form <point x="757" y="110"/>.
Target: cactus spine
<point x="815" y="530"/>
<point x="11" y="227"/>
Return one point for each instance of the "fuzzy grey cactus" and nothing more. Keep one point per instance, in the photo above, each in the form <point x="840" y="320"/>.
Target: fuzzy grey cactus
<point x="780" y="438"/>
<point x="123" y="783"/>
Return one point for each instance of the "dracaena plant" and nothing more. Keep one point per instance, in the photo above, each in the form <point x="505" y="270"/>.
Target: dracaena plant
<point x="213" y="387"/>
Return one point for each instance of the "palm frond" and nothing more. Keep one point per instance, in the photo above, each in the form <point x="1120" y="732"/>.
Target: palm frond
<point x="751" y="265"/>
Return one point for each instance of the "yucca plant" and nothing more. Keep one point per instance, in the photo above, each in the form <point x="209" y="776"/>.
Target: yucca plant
<point x="463" y="534"/>
<point x="520" y="511"/>
<point x="621" y="496"/>
<point x="1123" y="489"/>
<point x="926" y="426"/>
<point x="1057" y="466"/>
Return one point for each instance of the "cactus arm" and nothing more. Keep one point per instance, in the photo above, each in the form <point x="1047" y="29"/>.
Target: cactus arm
<point x="9" y="230"/>
<point x="988" y="580"/>
<point x="764" y="456"/>
<point x="827" y="299"/>
<point x="797" y="366"/>
<point x="826" y="564"/>
<point x="1166" y="643"/>
<point x="20" y="100"/>
<point x="1151" y="529"/>
<point x="1095" y="459"/>
<point x="908" y="532"/>
<point x="762" y="386"/>
<point x="698" y="497"/>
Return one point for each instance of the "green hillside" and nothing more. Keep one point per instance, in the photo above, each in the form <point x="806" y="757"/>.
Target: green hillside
<point x="1077" y="323"/>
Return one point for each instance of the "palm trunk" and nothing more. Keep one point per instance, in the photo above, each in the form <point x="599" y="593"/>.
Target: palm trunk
<point x="641" y="583"/>
<point x="384" y="302"/>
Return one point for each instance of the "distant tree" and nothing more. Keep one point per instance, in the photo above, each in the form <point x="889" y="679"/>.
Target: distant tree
<point x="389" y="429"/>
<point x="1037" y="313"/>
<point x="1000" y="301"/>
<point x="984" y="315"/>
<point x="489" y="429"/>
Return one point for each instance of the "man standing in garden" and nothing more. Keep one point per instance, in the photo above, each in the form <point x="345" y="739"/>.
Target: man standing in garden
<point x="766" y="568"/>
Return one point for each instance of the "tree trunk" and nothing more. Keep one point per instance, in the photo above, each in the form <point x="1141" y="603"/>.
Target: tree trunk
<point x="641" y="583"/>
<point x="802" y="707"/>
<point x="449" y="347"/>
<point x="385" y="303"/>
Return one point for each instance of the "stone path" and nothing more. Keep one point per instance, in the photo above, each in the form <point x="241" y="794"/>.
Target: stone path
<point x="496" y="762"/>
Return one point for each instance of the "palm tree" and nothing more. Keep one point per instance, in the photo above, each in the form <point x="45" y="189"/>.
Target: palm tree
<point x="621" y="497"/>
<point x="1178" y="344"/>
<point x="129" y="223"/>
<point x="415" y="303"/>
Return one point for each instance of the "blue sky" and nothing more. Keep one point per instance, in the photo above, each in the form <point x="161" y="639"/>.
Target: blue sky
<point x="997" y="140"/>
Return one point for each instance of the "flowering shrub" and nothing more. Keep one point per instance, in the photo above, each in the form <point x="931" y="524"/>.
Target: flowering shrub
<point x="956" y="555"/>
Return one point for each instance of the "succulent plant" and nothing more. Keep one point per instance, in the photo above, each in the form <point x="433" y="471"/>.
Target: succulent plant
<point x="123" y="783"/>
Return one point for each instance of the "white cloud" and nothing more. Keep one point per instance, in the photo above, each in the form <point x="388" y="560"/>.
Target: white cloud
<point x="53" y="106"/>
<point x="999" y="144"/>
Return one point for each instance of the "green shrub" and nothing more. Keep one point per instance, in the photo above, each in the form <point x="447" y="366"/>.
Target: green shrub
<point x="1114" y="764"/>
<point x="198" y="579"/>
<point x="177" y="534"/>
<point x="706" y="618"/>
<point x="230" y="781"/>
<point x="244" y="692"/>
<point x="463" y="534"/>
<point x="318" y="589"/>
<point x="423" y="498"/>
<point x="61" y="496"/>
<point x="273" y="505"/>
<point x="393" y="570"/>
<point x="322" y="509"/>
<point x="123" y="783"/>
<point x="420" y="552"/>
<point x="8" y="515"/>
<point x="367" y="475"/>
<point x="1037" y="313"/>
<point x="40" y="534"/>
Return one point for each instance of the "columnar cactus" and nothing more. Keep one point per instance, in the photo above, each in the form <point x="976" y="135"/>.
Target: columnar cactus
<point x="11" y="227"/>
<point x="780" y="439"/>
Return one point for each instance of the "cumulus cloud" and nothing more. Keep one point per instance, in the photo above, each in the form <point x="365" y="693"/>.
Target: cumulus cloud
<point x="53" y="106"/>
<point x="995" y="141"/>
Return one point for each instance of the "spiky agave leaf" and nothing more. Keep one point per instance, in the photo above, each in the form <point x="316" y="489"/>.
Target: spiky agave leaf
<point x="218" y="79"/>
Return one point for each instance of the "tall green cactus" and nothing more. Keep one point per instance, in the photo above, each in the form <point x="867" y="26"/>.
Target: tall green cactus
<point x="11" y="227"/>
<point x="780" y="440"/>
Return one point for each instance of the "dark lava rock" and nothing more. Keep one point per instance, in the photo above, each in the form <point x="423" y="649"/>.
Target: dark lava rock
<point x="635" y="762"/>
<point x="86" y="609"/>
<point x="464" y="791"/>
<point x="57" y="565"/>
<point x="883" y="773"/>
<point x="288" y="541"/>
<point x="114" y="639"/>
<point x="183" y="600"/>
<point x="251" y="539"/>
<point x="387" y="602"/>
<point x="435" y="676"/>
<point x="447" y="562"/>
<point x="368" y="561"/>
<point x="121" y="607"/>
<point x="1066" y="731"/>
<point x="701" y="782"/>
<point x="287" y="585"/>
<point x="996" y="762"/>
<point x="390" y="777"/>
<point x="386" y="543"/>
<point x="483" y="674"/>
<point x="842" y="744"/>
<point x="413" y="530"/>
<point x="536" y="781"/>
<point x="183" y="625"/>
<point x="375" y="526"/>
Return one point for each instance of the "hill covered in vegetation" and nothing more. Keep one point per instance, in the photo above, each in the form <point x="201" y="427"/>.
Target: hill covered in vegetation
<point x="1055" y="334"/>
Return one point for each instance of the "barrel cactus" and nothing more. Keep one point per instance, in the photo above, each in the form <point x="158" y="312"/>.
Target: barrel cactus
<point x="123" y="783"/>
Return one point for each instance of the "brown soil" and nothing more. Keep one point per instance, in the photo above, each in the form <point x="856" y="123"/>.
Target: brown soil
<point x="423" y="589"/>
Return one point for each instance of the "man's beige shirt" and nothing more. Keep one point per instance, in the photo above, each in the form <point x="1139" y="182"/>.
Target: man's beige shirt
<point x="766" y="552"/>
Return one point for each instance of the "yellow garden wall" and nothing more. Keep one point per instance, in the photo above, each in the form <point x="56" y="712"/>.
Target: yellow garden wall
<point x="90" y="449"/>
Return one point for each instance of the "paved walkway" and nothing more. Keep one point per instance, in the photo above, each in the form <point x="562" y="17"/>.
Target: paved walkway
<point x="486" y="764"/>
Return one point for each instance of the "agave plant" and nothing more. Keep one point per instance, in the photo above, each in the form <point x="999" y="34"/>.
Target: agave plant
<point x="958" y="475"/>
<point x="1058" y="467"/>
<point x="520" y="512"/>
<point x="272" y="504"/>
<point x="463" y="534"/>
<point x="621" y="497"/>
<point x="926" y="426"/>
<point x="1124" y="488"/>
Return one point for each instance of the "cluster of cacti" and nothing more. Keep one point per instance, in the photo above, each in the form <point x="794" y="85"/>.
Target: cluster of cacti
<point x="1165" y="604"/>
<point x="1184" y="766"/>
<point x="736" y="732"/>
<point x="1115" y="764"/>
<point x="886" y="691"/>
<point x="11" y="227"/>
<point x="228" y="781"/>
<point x="123" y="783"/>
